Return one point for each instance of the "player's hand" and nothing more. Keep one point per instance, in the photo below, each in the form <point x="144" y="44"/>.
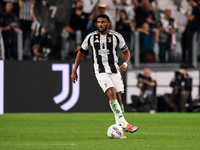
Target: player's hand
<point x="122" y="68"/>
<point x="74" y="76"/>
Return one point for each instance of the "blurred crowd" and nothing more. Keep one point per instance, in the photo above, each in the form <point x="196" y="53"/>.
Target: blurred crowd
<point x="154" y="23"/>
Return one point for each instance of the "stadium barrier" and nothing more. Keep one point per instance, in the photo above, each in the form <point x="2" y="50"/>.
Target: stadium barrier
<point x="27" y="86"/>
<point x="47" y="87"/>
<point x="20" y="44"/>
<point x="1" y="87"/>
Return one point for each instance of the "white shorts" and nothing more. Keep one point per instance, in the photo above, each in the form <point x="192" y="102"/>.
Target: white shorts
<point x="107" y="80"/>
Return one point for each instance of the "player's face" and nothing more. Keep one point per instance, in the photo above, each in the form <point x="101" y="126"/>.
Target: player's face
<point x="102" y="24"/>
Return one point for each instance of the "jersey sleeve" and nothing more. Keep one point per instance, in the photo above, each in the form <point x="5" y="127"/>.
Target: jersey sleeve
<point x="86" y="43"/>
<point x="122" y="44"/>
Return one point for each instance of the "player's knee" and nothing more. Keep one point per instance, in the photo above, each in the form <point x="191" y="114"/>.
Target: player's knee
<point x="111" y="93"/>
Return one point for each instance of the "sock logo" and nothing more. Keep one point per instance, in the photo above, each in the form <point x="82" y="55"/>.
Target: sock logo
<point x="117" y="111"/>
<point x="65" y="68"/>
<point x="120" y="116"/>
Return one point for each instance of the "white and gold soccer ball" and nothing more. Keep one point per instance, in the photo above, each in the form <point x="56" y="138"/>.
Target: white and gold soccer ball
<point x="115" y="131"/>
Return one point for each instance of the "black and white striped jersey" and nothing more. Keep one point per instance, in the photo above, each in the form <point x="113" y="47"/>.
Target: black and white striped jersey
<point x="104" y="50"/>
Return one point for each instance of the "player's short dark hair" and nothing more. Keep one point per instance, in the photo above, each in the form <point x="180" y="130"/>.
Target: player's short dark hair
<point x="183" y="66"/>
<point x="104" y="16"/>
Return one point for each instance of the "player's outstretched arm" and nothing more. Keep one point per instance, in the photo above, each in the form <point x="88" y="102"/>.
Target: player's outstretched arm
<point x="127" y="58"/>
<point x="78" y="60"/>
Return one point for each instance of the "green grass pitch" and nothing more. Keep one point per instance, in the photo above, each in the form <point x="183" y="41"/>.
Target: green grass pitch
<point x="88" y="131"/>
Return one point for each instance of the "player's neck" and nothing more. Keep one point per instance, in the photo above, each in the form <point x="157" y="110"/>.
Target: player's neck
<point x="103" y="33"/>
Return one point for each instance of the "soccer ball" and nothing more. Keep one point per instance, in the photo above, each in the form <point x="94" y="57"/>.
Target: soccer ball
<point x="115" y="131"/>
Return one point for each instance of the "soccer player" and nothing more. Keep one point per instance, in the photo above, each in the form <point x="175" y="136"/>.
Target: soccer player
<point x="104" y="44"/>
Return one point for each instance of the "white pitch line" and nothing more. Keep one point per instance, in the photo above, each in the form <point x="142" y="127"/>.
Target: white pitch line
<point x="46" y="144"/>
<point x="93" y="119"/>
<point x="163" y="146"/>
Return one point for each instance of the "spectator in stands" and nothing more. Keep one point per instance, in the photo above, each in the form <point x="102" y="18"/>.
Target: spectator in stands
<point x="25" y="26"/>
<point x="41" y="52"/>
<point x="191" y="28"/>
<point x="144" y="14"/>
<point x="93" y="17"/>
<point x="124" y="25"/>
<point x="43" y="39"/>
<point x="89" y="6"/>
<point x="79" y="20"/>
<point x="182" y="87"/>
<point x="155" y="1"/>
<point x="147" y="95"/>
<point x="74" y="4"/>
<point x="39" y="35"/>
<point x="36" y="29"/>
<point x="78" y="24"/>
<point x="128" y="8"/>
<point x="148" y="37"/>
<point x="168" y="27"/>
<point x="10" y="29"/>
<point x="110" y="10"/>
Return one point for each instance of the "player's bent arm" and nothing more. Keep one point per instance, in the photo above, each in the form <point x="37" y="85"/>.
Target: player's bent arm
<point x="127" y="56"/>
<point x="78" y="60"/>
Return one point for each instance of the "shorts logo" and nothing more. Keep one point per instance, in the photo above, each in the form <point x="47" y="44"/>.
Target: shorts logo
<point x="65" y="68"/>
<point x="105" y="84"/>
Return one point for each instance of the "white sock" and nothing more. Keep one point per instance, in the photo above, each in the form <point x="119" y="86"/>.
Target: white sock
<point x="116" y="120"/>
<point x="119" y="118"/>
<point x="122" y="108"/>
